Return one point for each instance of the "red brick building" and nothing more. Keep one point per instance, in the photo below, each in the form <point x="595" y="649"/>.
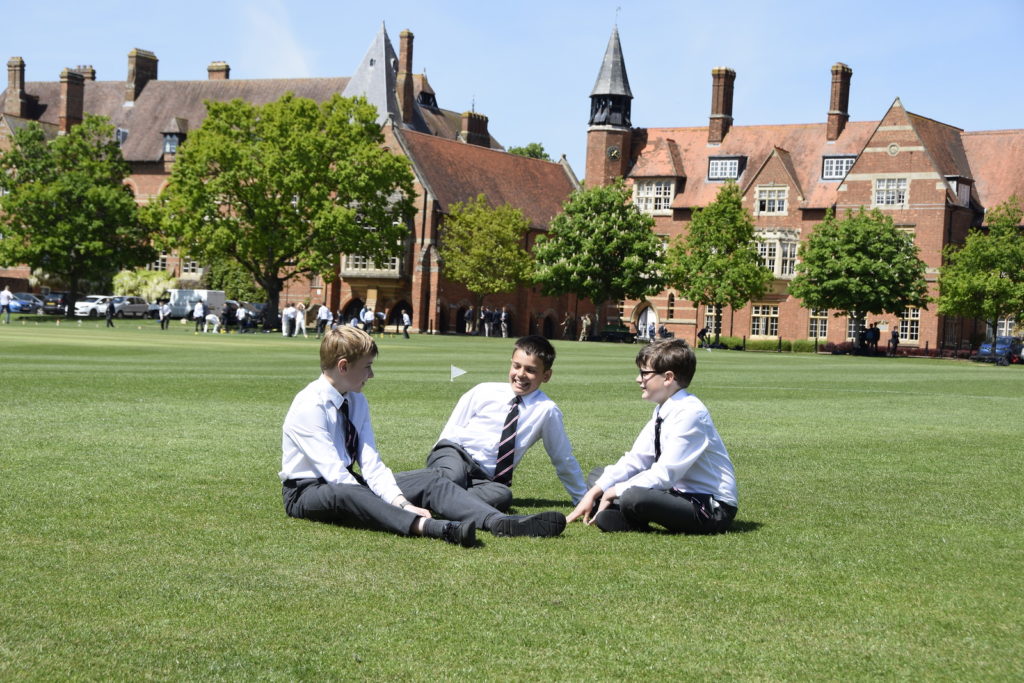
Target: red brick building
<point x="935" y="180"/>
<point x="453" y="156"/>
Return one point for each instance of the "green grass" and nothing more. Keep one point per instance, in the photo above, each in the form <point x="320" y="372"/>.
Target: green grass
<point x="142" y="532"/>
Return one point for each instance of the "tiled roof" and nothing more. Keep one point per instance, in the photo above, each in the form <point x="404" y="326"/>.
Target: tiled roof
<point x="997" y="160"/>
<point x="457" y="172"/>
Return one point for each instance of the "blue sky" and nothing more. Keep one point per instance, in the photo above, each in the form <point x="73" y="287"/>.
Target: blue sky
<point x="530" y="65"/>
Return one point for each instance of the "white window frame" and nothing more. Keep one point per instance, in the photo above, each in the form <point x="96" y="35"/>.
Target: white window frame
<point x="709" y="319"/>
<point x="836" y="168"/>
<point x="654" y="196"/>
<point x="723" y="168"/>
<point x="778" y="250"/>
<point x="1005" y="326"/>
<point x="910" y="325"/>
<point x="160" y="263"/>
<point x="771" y="200"/>
<point x="851" y="326"/>
<point x="891" y="191"/>
<point x="817" y="324"/>
<point x="188" y="266"/>
<point x="764" y="320"/>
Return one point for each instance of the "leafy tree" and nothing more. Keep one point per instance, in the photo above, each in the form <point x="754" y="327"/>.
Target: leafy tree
<point x="283" y="188"/>
<point x="534" y="150"/>
<point x="151" y="285"/>
<point x="234" y="279"/>
<point x="858" y="265"/>
<point x="600" y="248"/>
<point x="66" y="209"/>
<point x="482" y="247"/>
<point x="984" y="278"/>
<point x="716" y="263"/>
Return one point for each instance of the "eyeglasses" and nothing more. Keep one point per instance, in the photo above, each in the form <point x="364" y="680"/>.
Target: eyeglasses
<point x="644" y="374"/>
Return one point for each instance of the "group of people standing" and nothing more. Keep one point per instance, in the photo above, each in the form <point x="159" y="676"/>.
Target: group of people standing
<point x="489" y="322"/>
<point x="868" y="338"/>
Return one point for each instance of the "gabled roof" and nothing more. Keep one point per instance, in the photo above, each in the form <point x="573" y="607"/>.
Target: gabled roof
<point x="376" y="76"/>
<point x="660" y="160"/>
<point x="612" y="78"/>
<point x="457" y="172"/>
<point x="997" y="159"/>
<point x="784" y="158"/>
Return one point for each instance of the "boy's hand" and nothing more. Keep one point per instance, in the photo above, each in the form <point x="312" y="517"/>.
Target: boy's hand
<point x="584" y="507"/>
<point x="417" y="511"/>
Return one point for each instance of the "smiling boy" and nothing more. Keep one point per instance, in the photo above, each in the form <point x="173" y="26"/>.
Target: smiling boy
<point x="678" y="473"/>
<point x="495" y="423"/>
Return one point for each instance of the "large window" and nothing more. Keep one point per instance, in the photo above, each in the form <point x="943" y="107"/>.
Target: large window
<point x="356" y="262"/>
<point x="910" y="325"/>
<point x="671" y="307"/>
<point x="160" y="263"/>
<point x="764" y="320"/>
<point x="1005" y="327"/>
<point x="711" y="320"/>
<point x="778" y="249"/>
<point x="835" y="168"/>
<point x="818" y="325"/>
<point x="851" y="326"/>
<point x="651" y="196"/>
<point x="725" y="168"/>
<point x="890" y="191"/>
<point x="771" y="200"/>
<point x="188" y="266"/>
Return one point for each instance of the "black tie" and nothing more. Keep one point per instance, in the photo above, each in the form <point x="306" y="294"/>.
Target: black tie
<point x="507" y="446"/>
<point x="657" y="439"/>
<point x="351" y="436"/>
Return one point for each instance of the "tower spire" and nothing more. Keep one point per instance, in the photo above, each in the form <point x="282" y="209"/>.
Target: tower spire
<point x="611" y="98"/>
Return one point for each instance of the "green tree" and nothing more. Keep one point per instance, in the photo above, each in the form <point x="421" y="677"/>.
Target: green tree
<point x="716" y="263"/>
<point x="533" y="150"/>
<point x="66" y="208"/>
<point x="234" y="279"/>
<point x="984" y="278"/>
<point x="151" y="285"/>
<point x="600" y="248"/>
<point x="482" y="247"/>
<point x="858" y="265"/>
<point x="283" y="188"/>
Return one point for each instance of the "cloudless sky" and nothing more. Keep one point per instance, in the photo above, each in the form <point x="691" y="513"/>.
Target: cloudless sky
<point x="530" y="65"/>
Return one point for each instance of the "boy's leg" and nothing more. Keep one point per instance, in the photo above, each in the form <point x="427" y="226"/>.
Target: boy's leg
<point x="349" y="504"/>
<point x="455" y="464"/>
<point x="686" y="513"/>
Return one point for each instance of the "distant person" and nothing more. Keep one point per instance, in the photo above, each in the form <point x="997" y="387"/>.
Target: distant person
<point x="702" y="337"/>
<point x="327" y="434"/>
<point x="366" y="318"/>
<point x="165" y="315"/>
<point x="585" y="327"/>
<point x="872" y="336"/>
<point x="109" y="315"/>
<point x="213" y="321"/>
<point x="300" y="321"/>
<point x="6" y="297"/>
<point x="406" y="323"/>
<point x="199" y="314"/>
<point x="678" y="474"/>
<point x="894" y="343"/>
<point x="242" y="318"/>
<point x="504" y="320"/>
<point x="567" y="325"/>
<point x="324" y="318"/>
<point x="470" y="320"/>
<point x="495" y="423"/>
<point x="650" y="331"/>
<point x="288" y="321"/>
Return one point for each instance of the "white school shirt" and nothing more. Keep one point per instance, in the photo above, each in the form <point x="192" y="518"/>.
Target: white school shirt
<point x="313" y="440"/>
<point x="479" y="417"/>
<point x="324" y="313"/>
<point x="693" y="457"/>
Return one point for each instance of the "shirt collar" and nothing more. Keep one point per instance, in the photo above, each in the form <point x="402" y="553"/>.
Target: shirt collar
<point x="671" y="405"/>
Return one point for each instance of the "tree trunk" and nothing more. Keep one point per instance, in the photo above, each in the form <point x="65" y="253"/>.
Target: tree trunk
<point x="718" y="323"/>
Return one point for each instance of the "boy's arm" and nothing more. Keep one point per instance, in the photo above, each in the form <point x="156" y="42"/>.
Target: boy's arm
<point x="683" y="441"/>
<point x="460" y="415"/>
<point x="378" y="476"/>
<point x="556" y="443"/>
<point x="308" y="433"/>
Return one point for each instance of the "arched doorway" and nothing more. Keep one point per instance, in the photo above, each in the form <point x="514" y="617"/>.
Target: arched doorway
<point x="549" y="327"/>
<point x="647" y="323"/>
<point x="351" y="310"/>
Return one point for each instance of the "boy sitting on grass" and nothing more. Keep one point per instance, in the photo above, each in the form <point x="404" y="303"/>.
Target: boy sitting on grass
<point x="495" y="423"/>
<point x="678" y="473"/>
<point x="327" y="432"/>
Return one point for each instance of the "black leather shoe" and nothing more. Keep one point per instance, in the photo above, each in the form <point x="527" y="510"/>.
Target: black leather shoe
<point x="611" y="519"/>
<point x="460" y="533"/>
<point x="541" y="525"/>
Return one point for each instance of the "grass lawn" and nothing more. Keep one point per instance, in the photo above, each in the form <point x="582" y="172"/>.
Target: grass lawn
<point x="879" y="533"/>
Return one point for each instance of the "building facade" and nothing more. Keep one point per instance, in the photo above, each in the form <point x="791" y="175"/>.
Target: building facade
<point x="935" y="180"/>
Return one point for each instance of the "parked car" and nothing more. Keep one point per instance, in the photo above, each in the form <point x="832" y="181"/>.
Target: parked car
<point x="128" y="306"/>
<point x="1002" y="351"/>
<point x="92" y="306"/>
<point x="23" y="302"/>
<point x="55" y="303"/>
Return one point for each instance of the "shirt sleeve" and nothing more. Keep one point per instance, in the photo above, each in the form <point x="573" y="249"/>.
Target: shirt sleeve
<point x="556" y="443"/>
<point x="459" y="417"/>
<point x="683" y="440"/>
<point x="378" y="476"/>
<point x="311" y="431"/>
<point x="635" y="460"/>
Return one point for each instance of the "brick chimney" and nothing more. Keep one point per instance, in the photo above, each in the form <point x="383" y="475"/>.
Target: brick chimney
<point x="840" y="100"/>
<point x="15" y="104"/>
<point x="141" y="70"/>
<point x="218" y="71"/>
<point x="722" y="79"/>
<point x="88" y="73"/>
<point x="404" y="84"/>
<point x="474" y="129"/>
<point x="72" y="100"/>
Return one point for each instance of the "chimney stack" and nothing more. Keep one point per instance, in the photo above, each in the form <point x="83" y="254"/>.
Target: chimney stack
<point x="72" y="100"/>
<point x="218" y="71"/>
<point x="88" y="73"/>
<point x="840" y="100"/>
<point x="141" y="70"/>
<point x="404" y="84"/>
<point x="15" y="103"/>
<point x="474" y="129"/>
<point x="722" y="79"/>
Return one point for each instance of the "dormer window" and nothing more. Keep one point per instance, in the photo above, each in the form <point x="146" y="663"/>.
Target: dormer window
<point x="836" y="168"/>
<point x="654" y="196"/>
<point x="725" y="168"/>
<point x="172" y="141"/>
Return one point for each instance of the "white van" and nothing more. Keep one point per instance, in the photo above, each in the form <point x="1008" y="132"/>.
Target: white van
<point x="184" y="300"/>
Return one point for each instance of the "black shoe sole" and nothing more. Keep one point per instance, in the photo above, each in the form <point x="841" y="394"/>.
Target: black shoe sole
<point x="541" y="525"/>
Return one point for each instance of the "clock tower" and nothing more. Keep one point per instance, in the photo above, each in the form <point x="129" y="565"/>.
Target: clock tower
<point x="608" y="136"/>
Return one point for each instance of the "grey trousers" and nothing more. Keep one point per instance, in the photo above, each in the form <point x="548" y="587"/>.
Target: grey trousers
<point x="357" y="505"/>
<point x="455" y="464"/>
<point x="681" y="513"/>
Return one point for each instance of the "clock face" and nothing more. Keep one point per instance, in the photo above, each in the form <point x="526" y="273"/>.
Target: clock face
<point x="613" y="153"/>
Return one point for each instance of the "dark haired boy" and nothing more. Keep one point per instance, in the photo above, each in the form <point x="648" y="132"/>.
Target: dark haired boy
<point x="495" y="423"/>
<point x="327" y="432"/>
<point x="678" y="473"/>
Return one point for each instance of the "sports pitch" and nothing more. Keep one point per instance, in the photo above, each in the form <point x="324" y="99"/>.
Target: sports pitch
<point x="880" y="531"/>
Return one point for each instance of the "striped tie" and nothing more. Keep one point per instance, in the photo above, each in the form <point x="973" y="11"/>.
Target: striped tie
<point x="657" y="439"/>
<point x="507" y="445"/>
<point x="351" y="436"/>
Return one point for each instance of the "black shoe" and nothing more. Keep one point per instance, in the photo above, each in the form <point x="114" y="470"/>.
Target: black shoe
<point x="611" y="519"/>
<point x="459" y="533"/>
<point x="542" y="525"/>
